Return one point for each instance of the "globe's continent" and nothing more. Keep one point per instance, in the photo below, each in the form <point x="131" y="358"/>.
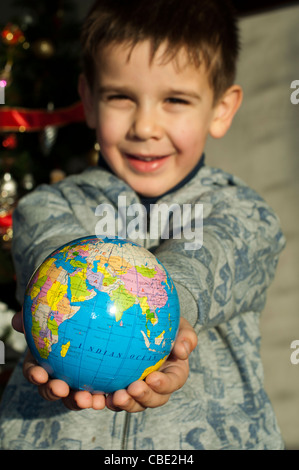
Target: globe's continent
<point x="101" y="313"/>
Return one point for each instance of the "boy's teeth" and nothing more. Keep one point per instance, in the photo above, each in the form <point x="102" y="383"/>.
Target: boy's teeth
<point x="145" y="159"/>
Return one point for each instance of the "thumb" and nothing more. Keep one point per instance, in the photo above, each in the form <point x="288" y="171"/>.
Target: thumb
<point x="186" y="340"/>
<point x="17" y="322"/>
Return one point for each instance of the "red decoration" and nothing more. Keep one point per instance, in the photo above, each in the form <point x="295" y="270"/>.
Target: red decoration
<point x="12" y="34"/>
<point x="10" y="142"/>
<point x="6" y="221"/>
<point x="30" y="120"/>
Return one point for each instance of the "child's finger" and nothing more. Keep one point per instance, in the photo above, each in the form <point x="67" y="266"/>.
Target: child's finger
<point x="170" y="378"/>
<point x="71" y="403"/>
<point x="33" y="372"/>
<point x="119" y="400"/>
<point x="54" y="390"/>
<point x="186" y="340"/>
<point x="98" y="401"/>
<point x="80" y="400"/>
<point x="17" y="322"/>
<point x="145" y="397"/>
<point x="136" y="398"/>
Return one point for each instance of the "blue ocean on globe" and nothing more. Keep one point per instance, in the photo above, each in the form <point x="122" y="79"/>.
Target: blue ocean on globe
<point x="100" y="313"/>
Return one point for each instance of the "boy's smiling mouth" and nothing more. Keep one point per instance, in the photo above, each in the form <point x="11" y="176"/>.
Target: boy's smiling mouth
<point x="146" y="158"/>
<point x="146" y="163"/>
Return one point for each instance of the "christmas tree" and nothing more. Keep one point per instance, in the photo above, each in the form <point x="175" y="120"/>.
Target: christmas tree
<point x="43" y="136"/>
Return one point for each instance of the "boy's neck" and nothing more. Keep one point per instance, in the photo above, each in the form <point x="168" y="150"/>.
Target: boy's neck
<point x="146" y="201"/>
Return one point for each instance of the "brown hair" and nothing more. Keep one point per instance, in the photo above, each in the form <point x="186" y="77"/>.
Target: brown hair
<point x="207" y="29"/>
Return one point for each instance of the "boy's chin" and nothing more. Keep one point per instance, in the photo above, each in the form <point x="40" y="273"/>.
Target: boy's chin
<point x="151" y="191"/>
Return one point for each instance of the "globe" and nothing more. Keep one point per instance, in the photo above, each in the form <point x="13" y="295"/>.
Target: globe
<point x="100" y="313"/>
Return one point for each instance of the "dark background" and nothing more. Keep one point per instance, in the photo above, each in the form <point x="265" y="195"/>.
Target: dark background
<point x="244" y="7"/>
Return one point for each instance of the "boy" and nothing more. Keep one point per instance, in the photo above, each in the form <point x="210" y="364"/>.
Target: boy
<point x="158" y="78"/>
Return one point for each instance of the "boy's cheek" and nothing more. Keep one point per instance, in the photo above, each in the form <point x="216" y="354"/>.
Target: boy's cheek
<point x="190" y="142"/>
<point x="108" y="134"/>
<point x="111" y="129"/>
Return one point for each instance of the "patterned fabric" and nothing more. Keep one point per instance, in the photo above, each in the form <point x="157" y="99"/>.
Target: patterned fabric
<point x="222" y="288"/>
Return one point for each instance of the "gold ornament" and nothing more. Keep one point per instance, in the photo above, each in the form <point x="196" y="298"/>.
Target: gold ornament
<point x="43" y="48"/>
<point x="93" y="155"/>
<point x="12" y="35"/>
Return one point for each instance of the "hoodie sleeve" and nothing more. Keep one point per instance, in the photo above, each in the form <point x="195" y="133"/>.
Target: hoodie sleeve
<point x="230" y="273"/>
<point x="42" y="221"/>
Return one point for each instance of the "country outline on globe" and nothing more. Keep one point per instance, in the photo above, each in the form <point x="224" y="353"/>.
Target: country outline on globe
<point x="137" y="287"/>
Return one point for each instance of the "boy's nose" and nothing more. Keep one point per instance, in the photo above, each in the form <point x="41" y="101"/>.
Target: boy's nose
<point x="145" y="125"/>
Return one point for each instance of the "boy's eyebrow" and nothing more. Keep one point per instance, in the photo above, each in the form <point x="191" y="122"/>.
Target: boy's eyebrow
<point x="182" y="92"/>
<point x="112" y="88"/>
<point x="170" y="91"/>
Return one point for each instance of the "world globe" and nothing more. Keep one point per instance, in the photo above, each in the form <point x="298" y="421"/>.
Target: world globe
<point x="100" y="313"/>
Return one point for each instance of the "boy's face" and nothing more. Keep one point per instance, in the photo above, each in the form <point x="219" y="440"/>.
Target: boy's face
<point x="151" y="118"/>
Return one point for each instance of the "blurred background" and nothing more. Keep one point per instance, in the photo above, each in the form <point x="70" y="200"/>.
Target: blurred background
<point x="43" y="138"/>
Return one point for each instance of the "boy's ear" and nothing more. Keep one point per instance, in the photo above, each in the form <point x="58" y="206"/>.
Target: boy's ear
<point x="87" y="99"/>
<point x="225" y="110"/>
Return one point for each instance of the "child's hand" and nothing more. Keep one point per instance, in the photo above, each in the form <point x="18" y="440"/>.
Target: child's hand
<point x="54" y="389"/>
<point x="153" y="392"/>
<point x="158" y="386"/>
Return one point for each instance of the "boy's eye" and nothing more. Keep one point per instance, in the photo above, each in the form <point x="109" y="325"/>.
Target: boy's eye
<point x="177" y="101"/>
<point x="117" y="97"/>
